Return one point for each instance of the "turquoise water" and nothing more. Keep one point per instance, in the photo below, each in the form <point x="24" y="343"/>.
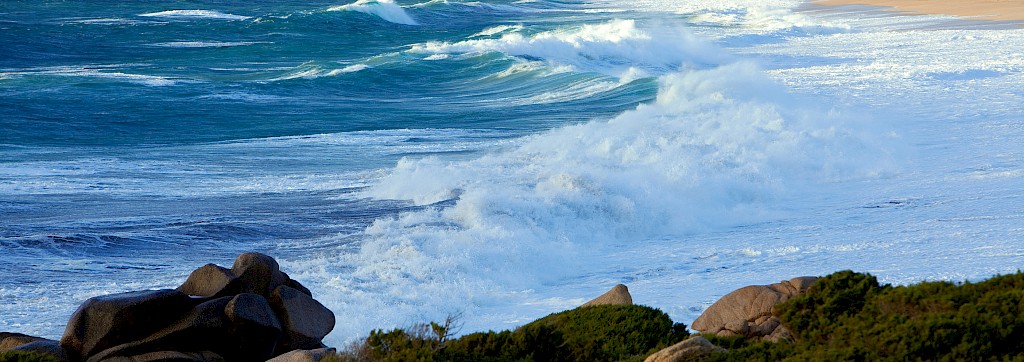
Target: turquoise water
<point x="115" y="74"/>
<point x="501" y="160"/>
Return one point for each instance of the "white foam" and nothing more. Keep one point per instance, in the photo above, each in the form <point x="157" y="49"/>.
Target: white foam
<point x="314" y="71"/>
<point x="515" y="7"/>
<point x="384" y="9"/>
<point x="204" y="44"/>
<point x="617" y="48"/>
<point x="194" y="14"/>
<point x="717" y="148"/>
<point x="101" y="72"/>
<point x="106" y="21"/>
<point x="436" y="57"/>
<point x="500" y="29"/>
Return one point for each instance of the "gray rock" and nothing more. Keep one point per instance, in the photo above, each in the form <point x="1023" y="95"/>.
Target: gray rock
<point x="305" y="320"/>
<point x="9" y="341"/>
<point x="257" y="273"/>
<point x="304" y="355"/>
<point x="255" y="330"/>
<point x="45" y="346"/>
<point x="202" y="329"/>
<point x="170" y="356"/>
<point x="239" y="328"/>
<point x="107" y="321"/>
<point x="619" y="295"/>
<point x="209" y="281"/>
<point x="251" y="273"/>
<point x="294" y="284"/>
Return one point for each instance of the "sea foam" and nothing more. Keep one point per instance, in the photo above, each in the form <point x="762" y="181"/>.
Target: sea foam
<point x="384" y="9"/>
<point x="718" y="148"/>
<point x="194" y="14"/>
<point x="620" y="48"/>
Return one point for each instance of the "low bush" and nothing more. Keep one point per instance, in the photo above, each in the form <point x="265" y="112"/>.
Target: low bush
<point x="848" y="316"/>
<point x="597" y="333"/>
<point x="19" y="356"/>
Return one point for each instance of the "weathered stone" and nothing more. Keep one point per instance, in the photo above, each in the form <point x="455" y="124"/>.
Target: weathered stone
<point x="107" y="321"/>
<point x="9" y="341"/>
<point x="619" y="295"/>
<point x="202" y="329"/>
<point x="748" y="311"/>
<point x="45" y="346"/>
<point x="304" y="355"/>
<point x="239" y="328"/>
<point x="694" y="349"/>
<point x="294" y="284"/>
<point x="255" y="330"/>
<point x="250" y="312"/>
<point x="209" y="281"/>
<point x="170" y="356"/>
<point x="780" y="333"/>
<point x="257" y="273"/>
<point x="305" y="320"/>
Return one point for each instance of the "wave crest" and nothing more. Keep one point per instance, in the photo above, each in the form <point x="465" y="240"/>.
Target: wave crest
<point x="384" y="9"/>
<point x="195" y="14"/>
<point x="618" y="48"/>
<point x="718" y="148"/>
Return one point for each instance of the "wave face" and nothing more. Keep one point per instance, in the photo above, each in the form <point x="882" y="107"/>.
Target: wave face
<point x="501" y="160"/>
<point x="384" y="9"/>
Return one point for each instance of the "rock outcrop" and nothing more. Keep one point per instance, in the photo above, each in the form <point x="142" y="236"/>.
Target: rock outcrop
<point x="693" y="349"/>
<point x="300" y="355"/>
<point x="9" y="341"/>
<point x="748" y="311"/>
<point x="250" y="312"/>
<point x="619" y="295"/>
<point x="27" y="343"/>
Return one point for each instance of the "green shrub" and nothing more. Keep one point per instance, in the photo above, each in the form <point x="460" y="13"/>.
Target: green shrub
<point x="848" y="316"/>
<point x="19" y="356"/>
<point x="598" y="333"/>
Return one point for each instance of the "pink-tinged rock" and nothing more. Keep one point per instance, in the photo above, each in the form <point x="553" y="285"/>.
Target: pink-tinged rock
<point x="748" y="311"/>
<point x="619" y="295"/>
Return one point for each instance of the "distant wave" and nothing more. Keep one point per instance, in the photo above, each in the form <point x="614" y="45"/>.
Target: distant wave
<point x="519" y="7"/>
<point x="384" y="9"/>
<point x="106" y="21"/>
<point x="204" y="44"/>
<point x="99" y="72"/>
<point x="195" y="14"/>
<point x="313" y="71"/>
<point x="618" y="48"/>
<point x="759" y="16"/>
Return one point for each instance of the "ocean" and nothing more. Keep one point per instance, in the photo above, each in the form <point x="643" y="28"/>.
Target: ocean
<point x="500" y="160"/>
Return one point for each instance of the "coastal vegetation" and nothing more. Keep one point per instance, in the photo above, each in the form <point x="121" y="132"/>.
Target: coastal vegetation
<point x="848" y="316"/>
<point x="845" y="316"/>
<point x="592" y="333"/>
<point x="19" y="356"/>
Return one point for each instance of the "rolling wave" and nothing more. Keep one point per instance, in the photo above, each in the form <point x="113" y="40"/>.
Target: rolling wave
<point x="384" y="9"/>
<point x="194" y="14"/>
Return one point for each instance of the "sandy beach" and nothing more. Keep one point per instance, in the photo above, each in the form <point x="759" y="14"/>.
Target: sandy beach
<point x="1001" y="10"/>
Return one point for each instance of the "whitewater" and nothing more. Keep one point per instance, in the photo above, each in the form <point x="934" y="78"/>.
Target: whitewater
<point x="501" y="160"/>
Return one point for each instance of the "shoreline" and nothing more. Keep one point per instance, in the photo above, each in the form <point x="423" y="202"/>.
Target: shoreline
<point x="982" y="10"/>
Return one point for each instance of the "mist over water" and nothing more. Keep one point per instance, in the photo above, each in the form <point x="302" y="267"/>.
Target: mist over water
<point x="498" y="160"/>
